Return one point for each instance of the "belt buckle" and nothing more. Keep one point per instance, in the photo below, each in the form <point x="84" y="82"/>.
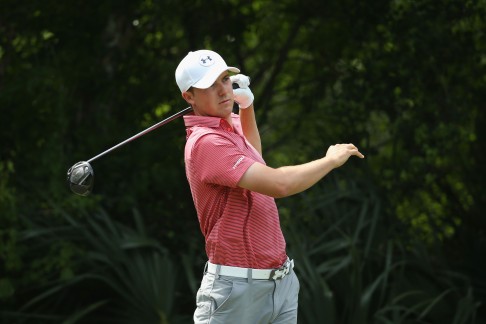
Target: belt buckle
<point x="281" y="272"/>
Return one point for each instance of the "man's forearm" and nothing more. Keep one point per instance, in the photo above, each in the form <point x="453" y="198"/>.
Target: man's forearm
<point x="250" y="128"/>
<point x="297" y="178"/>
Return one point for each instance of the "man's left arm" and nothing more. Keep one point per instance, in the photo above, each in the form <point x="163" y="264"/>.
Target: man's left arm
<point x="244" y="97"/>
<point x="250" y="127"/>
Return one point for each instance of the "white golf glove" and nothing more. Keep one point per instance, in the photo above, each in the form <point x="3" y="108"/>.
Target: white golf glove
<point x="243" y="96"/>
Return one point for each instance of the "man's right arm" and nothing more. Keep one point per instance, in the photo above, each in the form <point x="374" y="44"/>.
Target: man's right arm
<point x="289" y="180"/>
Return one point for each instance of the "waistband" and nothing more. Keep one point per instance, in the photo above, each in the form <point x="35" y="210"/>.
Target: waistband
<point x="257" y="274"/>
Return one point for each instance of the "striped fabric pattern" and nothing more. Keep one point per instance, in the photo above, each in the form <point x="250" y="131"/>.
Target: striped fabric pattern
<point x="241" y="227"/>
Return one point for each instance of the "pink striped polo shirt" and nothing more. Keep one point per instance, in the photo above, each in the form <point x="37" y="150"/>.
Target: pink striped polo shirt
<point x="241" y="228"/>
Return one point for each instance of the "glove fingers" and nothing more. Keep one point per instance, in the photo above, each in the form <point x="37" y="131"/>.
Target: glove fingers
<point x="242" y="80"/>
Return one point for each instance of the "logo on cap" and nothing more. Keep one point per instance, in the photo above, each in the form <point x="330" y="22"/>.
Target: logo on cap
<point x="206" y="60"/>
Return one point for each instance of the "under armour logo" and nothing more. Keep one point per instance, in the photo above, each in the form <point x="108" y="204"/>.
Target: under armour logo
<point x="206" y="60"/>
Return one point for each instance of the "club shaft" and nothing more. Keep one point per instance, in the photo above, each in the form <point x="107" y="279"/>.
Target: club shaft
<point x="151" y="128"/>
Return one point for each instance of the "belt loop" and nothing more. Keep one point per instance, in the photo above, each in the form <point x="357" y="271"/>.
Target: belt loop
<point x="250" y="276"/>
<point x="205" y="270"/>
<point x="218" y="270"/>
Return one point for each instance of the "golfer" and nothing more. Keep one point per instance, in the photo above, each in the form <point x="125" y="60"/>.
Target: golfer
<point x="249" y="278"/>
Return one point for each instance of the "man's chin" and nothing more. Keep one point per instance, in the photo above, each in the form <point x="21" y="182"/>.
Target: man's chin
<point x="227" y="106"/>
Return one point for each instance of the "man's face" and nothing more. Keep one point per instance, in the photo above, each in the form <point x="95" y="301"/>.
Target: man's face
<point x="216" y="101"/>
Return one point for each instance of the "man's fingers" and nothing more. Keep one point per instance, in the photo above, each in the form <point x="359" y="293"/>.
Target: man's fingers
<point x="347" y="149"/>
<point x="242" y="80"/>
<point x="355" y="150"/>
<point x="351" y="148"/>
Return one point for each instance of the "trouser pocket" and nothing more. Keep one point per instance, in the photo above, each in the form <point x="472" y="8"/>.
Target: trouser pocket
<point x="211" y="297"/>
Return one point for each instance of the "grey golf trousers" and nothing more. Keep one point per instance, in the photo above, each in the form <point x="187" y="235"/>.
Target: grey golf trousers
<point x="224" y="299"/>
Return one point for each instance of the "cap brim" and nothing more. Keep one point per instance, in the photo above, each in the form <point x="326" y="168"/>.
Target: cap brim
<point x="211" y="76"/>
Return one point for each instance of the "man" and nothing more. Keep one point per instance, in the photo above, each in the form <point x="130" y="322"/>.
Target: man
<point x="248" y="278"/>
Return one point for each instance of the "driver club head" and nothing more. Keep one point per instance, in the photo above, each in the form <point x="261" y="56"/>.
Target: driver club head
<point x="80" y="178"/>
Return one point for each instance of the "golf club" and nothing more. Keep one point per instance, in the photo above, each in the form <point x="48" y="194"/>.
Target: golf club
<point x="80" y="176"/>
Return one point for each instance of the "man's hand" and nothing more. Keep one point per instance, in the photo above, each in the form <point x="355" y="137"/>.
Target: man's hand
<point x="340" y="153"/>
<point x="243" y="96"/>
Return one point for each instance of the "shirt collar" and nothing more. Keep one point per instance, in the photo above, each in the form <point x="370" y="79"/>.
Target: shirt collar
<point x="191" y="120"/>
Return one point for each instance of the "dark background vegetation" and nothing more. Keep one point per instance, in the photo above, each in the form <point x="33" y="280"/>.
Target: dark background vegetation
<point x="396" y="238"/>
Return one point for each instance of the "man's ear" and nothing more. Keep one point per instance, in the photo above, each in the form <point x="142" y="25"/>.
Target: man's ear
<point x="188" y="96"/>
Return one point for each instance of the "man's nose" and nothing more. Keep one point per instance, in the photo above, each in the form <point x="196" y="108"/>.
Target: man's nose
<point x="221" y="88"/>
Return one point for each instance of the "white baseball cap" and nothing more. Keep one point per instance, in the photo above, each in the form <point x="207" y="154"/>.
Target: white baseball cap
<point x="200" y="69"/>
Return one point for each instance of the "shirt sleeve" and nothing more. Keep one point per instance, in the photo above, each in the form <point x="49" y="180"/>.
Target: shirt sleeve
<point x="219" y="161"/>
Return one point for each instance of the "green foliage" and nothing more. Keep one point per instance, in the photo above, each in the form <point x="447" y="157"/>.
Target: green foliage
<point x="119" y="275"/>
<point x="415" y="76"/>
<point x="353" y="270"/>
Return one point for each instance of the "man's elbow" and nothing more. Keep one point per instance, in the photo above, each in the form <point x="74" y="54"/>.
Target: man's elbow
<point x="282" y="189"/>
<point x="275" y="183"/>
